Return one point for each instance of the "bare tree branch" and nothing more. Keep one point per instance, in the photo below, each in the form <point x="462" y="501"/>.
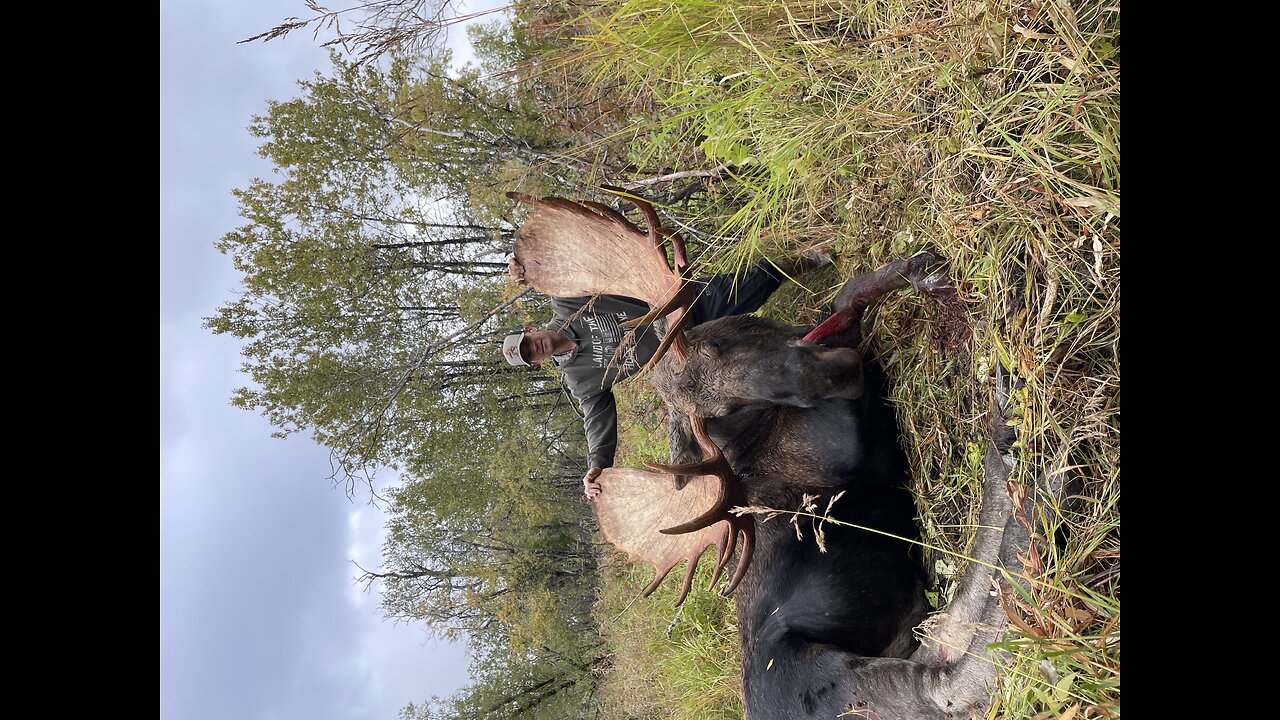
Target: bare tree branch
<point x="378" y="27"/>
<point x="670" y="177"/>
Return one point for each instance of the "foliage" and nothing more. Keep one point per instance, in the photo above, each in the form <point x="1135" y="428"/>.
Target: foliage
<point x="667" y="662"/>
<point x="372" y="305"/>
<point x="363" y="265"/>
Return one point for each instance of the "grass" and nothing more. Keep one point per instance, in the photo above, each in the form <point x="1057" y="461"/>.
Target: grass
<point x="673" y="663"/>
<point x="986" y="131"/>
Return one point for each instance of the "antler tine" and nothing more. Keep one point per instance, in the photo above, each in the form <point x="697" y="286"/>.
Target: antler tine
<point x="674" y="339"/>
<point x="657" y="582"/>
<point x="724" y="551"/>
<point x="729" y="494"/>
<point x="677" y="249"/>
<point x="612" y="214"/>
<point x="656" y="229"/>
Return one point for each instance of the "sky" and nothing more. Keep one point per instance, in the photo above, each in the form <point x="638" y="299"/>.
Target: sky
<point x="259" y="615"/>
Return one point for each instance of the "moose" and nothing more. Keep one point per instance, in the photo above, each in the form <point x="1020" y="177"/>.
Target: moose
<point x="764" y="414"/>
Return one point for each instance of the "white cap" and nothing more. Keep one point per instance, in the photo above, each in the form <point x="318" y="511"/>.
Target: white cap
<point x="511" y="349"/>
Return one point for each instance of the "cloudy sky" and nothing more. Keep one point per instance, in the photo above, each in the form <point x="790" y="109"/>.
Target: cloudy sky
<point x="259" y="617"/>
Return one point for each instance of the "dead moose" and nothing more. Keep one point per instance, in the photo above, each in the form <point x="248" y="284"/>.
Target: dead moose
<point x="764" y="414"/>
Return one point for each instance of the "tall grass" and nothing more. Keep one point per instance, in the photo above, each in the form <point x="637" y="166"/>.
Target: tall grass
<point x="673" y="663"/>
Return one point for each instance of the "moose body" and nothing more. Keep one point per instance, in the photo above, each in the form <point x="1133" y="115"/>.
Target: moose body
<point x="804" y="614"/>
<point x="829" y="632"/>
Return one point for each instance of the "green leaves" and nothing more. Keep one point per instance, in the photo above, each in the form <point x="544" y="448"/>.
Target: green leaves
<point x="723" y="142"/>
<point x="362" y="255"/>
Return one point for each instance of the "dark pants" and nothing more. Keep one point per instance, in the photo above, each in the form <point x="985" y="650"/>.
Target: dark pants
<point x="725" y="295"/>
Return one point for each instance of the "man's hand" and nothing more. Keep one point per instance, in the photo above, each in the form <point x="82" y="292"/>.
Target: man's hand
<point x="590" y="487"/>
<point x="515" y="271"/>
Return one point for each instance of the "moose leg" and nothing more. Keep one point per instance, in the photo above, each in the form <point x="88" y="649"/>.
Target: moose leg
<point x="956" y="647"/>
<point x="948" y="636"/>
<point x="924" y="271"/>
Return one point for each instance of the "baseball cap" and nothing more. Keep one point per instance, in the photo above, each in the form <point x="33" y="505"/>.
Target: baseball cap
<point x="511" y="349"/>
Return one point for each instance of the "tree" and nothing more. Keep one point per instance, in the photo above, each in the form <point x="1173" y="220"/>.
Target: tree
<point x="372" y="309"/>
<point x="479" y="544"/>
<point x="372" y="291"/>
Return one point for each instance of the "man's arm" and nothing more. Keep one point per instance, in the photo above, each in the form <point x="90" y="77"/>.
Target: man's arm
<point x="600" y="420"/>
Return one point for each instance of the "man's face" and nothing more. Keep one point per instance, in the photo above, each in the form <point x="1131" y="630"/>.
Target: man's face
<point x="538" y="345"/>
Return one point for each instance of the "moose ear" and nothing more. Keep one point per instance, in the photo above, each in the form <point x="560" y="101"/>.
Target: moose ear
<point x="856" y="384"/>
<point x="711" y="348"/>
<point x="845" y="367"/>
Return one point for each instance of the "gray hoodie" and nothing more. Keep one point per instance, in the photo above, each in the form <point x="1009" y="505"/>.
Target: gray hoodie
<point x="591" y="368"/>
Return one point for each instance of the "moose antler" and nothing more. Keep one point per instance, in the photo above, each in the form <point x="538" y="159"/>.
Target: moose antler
<point x="571" y="249"/>
<point x="636" y="504"/>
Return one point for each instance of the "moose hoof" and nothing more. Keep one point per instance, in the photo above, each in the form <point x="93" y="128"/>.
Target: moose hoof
<point x="928" y="274"/>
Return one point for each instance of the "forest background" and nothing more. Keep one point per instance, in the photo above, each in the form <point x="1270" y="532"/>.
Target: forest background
<point x="374" y="300"/>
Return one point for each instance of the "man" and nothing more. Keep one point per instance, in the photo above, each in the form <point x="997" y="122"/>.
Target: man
<point x="584" y="334"/>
